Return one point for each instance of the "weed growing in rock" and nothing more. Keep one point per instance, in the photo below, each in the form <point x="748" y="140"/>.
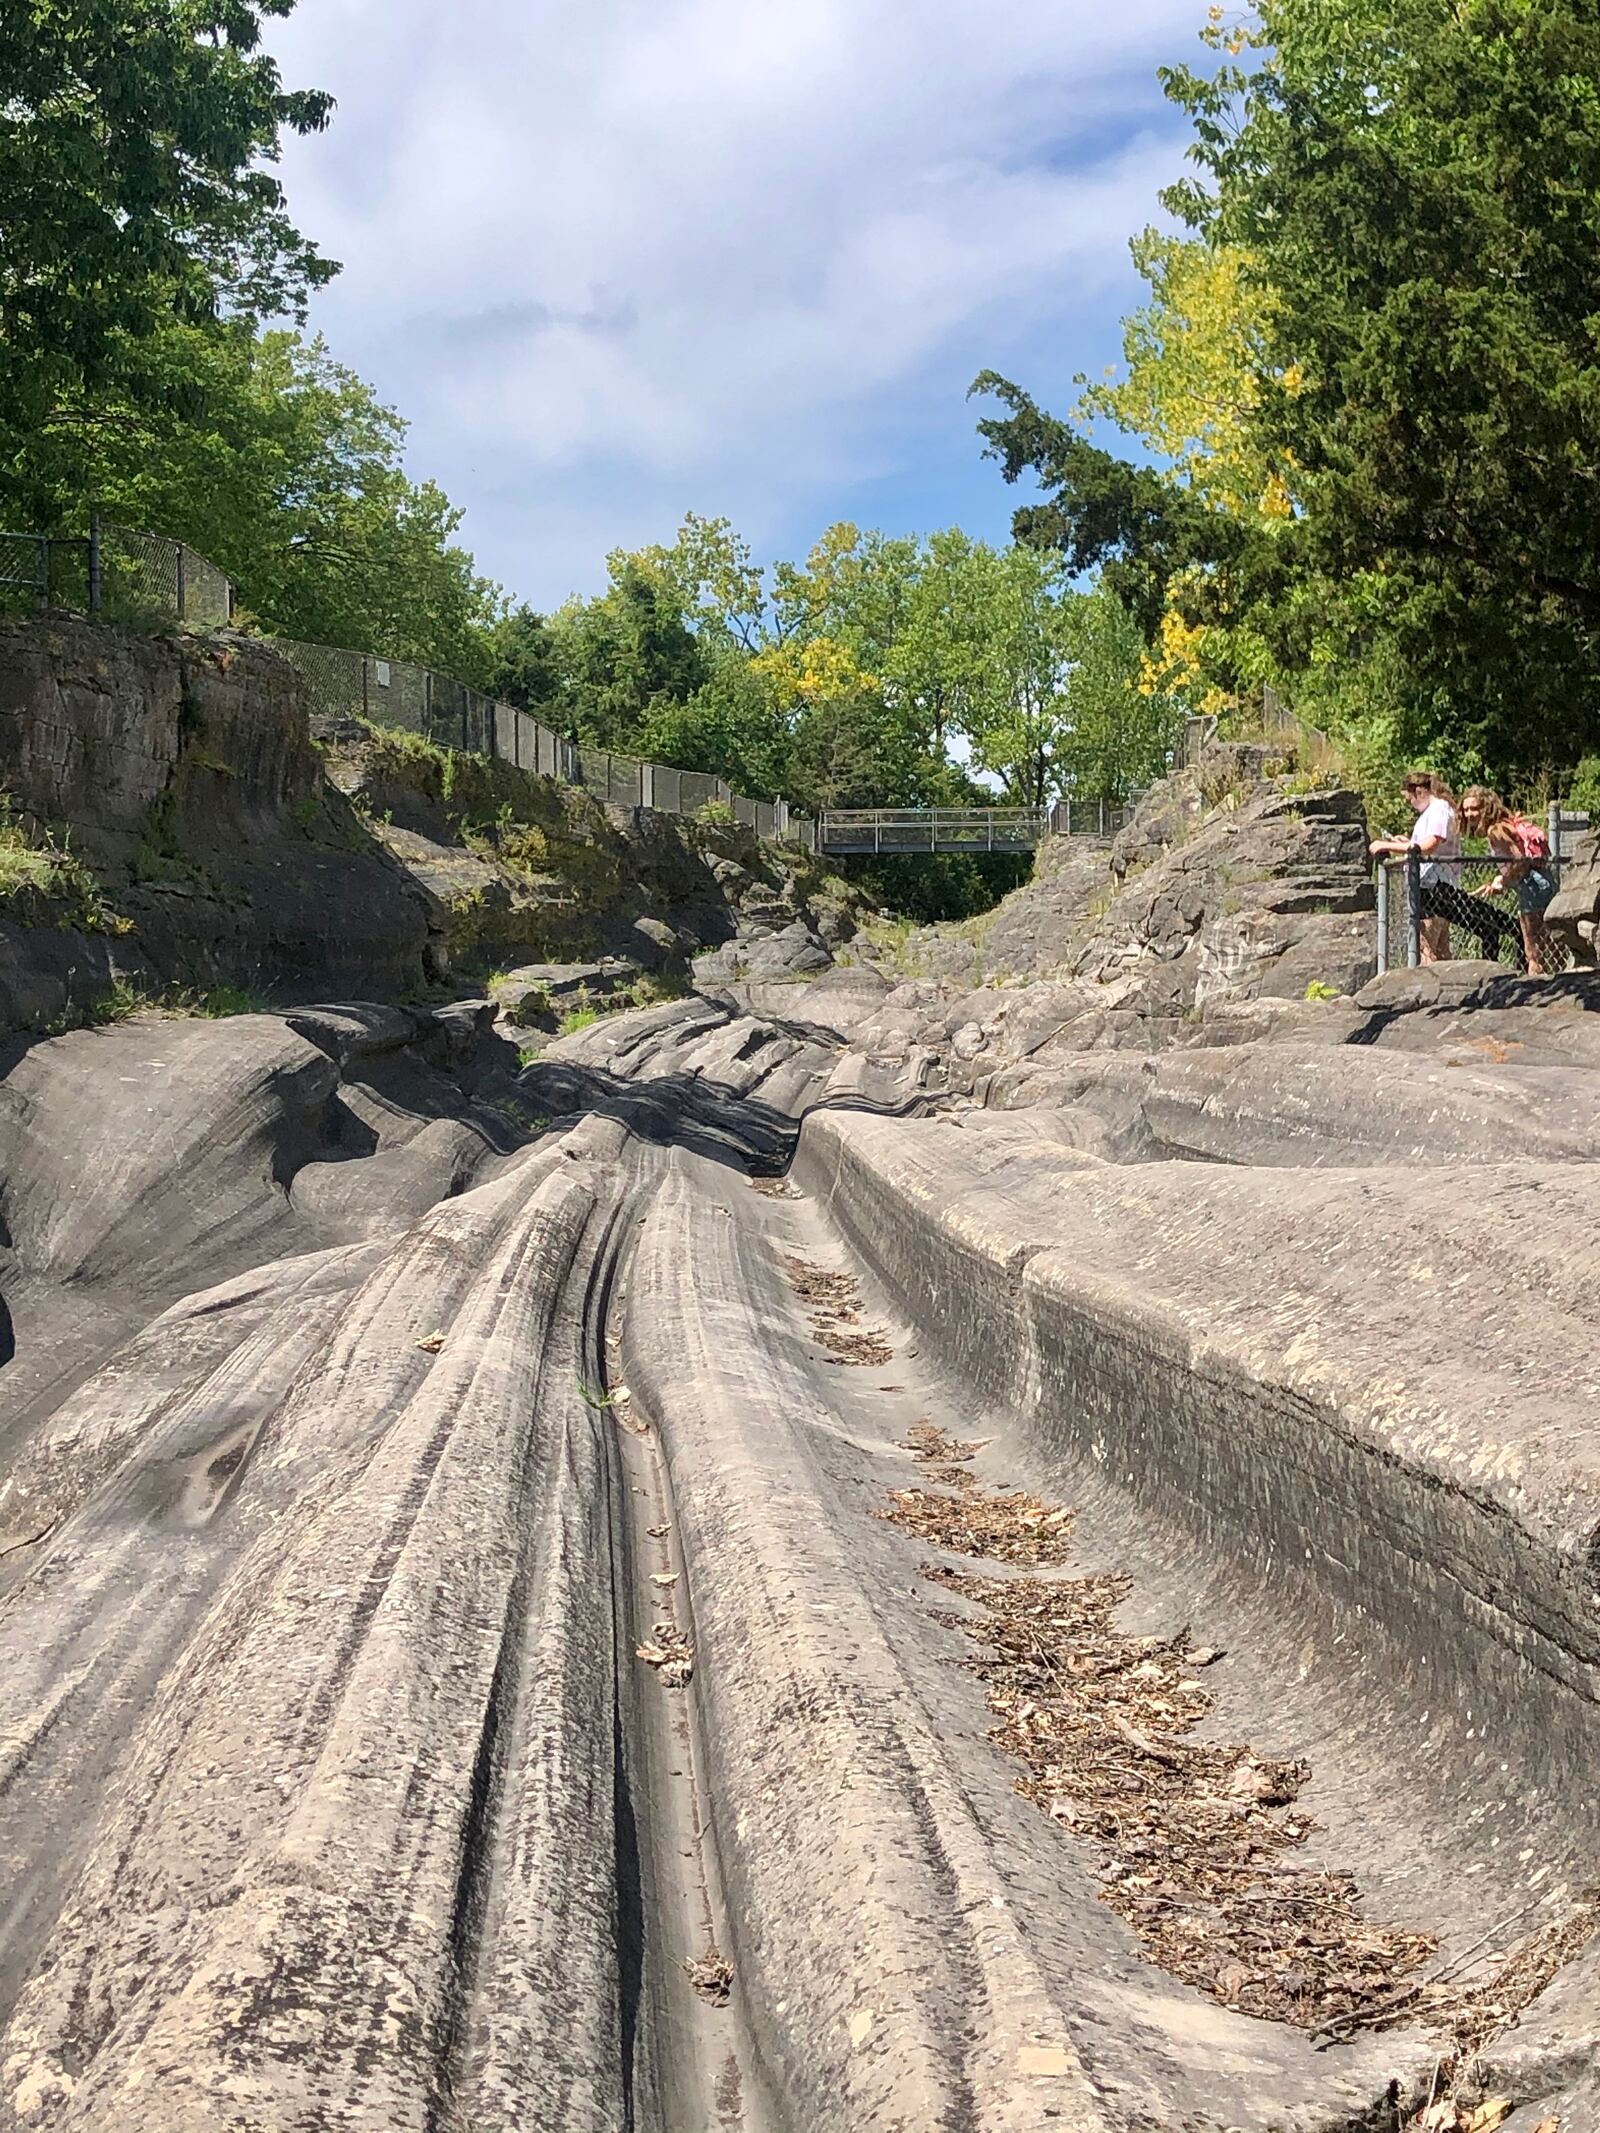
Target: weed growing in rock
<point x="116" y="1005"/>
<point x="34" y="866"/>
<point x="225" y="1000"/>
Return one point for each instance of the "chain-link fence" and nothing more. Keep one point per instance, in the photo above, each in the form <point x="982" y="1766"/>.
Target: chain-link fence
<point x="1270" y="721"/>
<point x="40" y="570"/>
<point x="1479" y="906"/>
<point x="133" y="576"/>
<point x="138" y="574"/>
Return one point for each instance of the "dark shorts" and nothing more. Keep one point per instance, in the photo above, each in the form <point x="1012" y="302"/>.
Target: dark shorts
<point x="1534" y="890"/>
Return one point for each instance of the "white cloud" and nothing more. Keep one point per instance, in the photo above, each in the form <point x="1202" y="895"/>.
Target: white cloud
<point x="616" y="257"/>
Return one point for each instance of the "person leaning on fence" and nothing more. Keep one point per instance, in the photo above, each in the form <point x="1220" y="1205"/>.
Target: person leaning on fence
<point x="1523" y="850"/>
<point x="1436" y="837"/>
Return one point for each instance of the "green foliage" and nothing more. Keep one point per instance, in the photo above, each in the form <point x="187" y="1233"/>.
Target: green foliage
<point x="939" y="885"/>
<point x="45" y="883"/>
<point x="1320" y="989"/>
<point x="1128" y="523"/>
<point x="123" y="1000"/>
<point x="1417" y="187"/>
<point x="282" y="467"/>
<point x="524" y="661"/>
<point x="623" y="654"/>
<point x="575" y="1019"/>
<point x="133" y="150"/>
<point x="222" y="1001"/>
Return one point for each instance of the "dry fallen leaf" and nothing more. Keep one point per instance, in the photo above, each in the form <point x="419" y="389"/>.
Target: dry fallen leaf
<point x="1045" y="2059"/>
<point x="664" y="1577"/>
<point x="432" y="1344"/>
<point x="658" y="1532"/>
<point x="670" y="1653"/>
<point x="1487" y="2116"/>
<point x="712" y="1977"/>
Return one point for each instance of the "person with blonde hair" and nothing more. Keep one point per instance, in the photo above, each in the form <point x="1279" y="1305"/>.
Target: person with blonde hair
<point x="1438" y="840"/>
<point x="1523" y="850"/>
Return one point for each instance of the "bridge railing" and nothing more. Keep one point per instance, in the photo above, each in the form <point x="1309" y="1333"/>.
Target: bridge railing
<point x="932" y="829"/>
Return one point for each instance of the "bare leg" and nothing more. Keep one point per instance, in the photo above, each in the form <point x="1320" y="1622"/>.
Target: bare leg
<point x="1533" y="940"/>
<point x="1435" y="940"/>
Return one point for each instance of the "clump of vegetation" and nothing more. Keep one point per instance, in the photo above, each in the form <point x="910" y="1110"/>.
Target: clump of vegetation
<point x="123" y="1000"/>
<point x="575" y="1019"/>
<point x="45" y="881"/>
<point x="222" y="1001"/>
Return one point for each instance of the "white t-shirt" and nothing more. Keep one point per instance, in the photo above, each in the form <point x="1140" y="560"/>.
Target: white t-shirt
<point x="1438" y="819"/>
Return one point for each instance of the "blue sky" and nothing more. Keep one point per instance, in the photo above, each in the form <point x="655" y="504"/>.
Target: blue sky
<point x="620" y="259"/>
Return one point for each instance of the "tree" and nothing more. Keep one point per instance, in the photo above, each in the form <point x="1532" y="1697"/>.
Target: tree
<point x="734" y="726"/>
<point x="132" y="145"/>
<point x="1101" y="513"/>
<point x="1123" y="724"/>
<point x="1416" y="186"/>
<point x="625" y="654"/>
<point x="1062" y="704"/>
<point x="525" y="666"/>
<point x="284" y="468"/>
<point x="1194" y="361"/>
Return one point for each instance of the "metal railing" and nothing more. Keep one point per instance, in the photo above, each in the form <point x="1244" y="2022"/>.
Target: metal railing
<point x="932" y="829"/>
<point x="1272" y="721"/>
<point x="139" y="573"/>
<point x="1093" y="818"/>
<point x="1453" y="911"/>
<point x="39" y="570"/>
<point x="117" y="572"/>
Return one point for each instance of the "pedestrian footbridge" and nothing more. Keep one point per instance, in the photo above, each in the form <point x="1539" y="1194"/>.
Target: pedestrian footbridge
<point x="960" y="829"/>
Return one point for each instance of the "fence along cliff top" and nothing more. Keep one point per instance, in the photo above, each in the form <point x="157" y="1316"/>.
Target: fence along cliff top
<point x="125" y="574"/>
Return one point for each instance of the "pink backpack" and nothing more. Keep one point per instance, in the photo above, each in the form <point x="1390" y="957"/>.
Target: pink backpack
<point x="1531" y="839"/>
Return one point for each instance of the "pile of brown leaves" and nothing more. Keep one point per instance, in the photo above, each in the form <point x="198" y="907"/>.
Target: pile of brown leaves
<point x="670" y="1652"/>
<point x="943" y="1455"/>
<point x="1192" y="1835"/>
<point x="834" y="1306"/>
<point x="774" y="1188"/>
<point x="711" y="1975"/>
<point x="1015" y="1528"/>
<point x="1196" y="1838"/>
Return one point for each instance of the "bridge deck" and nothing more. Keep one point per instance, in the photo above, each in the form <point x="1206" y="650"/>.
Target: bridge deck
<point x="933" y="829"/>
<point x="962" y="829"/>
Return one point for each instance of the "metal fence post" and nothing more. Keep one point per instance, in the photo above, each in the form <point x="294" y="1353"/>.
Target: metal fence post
<point x="1553" y="831"/>
<point x="181" y="579"/>
<point x="1413" y="908"/>
<point x="94" y="562"/>
<point x="1383" y="916"/>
